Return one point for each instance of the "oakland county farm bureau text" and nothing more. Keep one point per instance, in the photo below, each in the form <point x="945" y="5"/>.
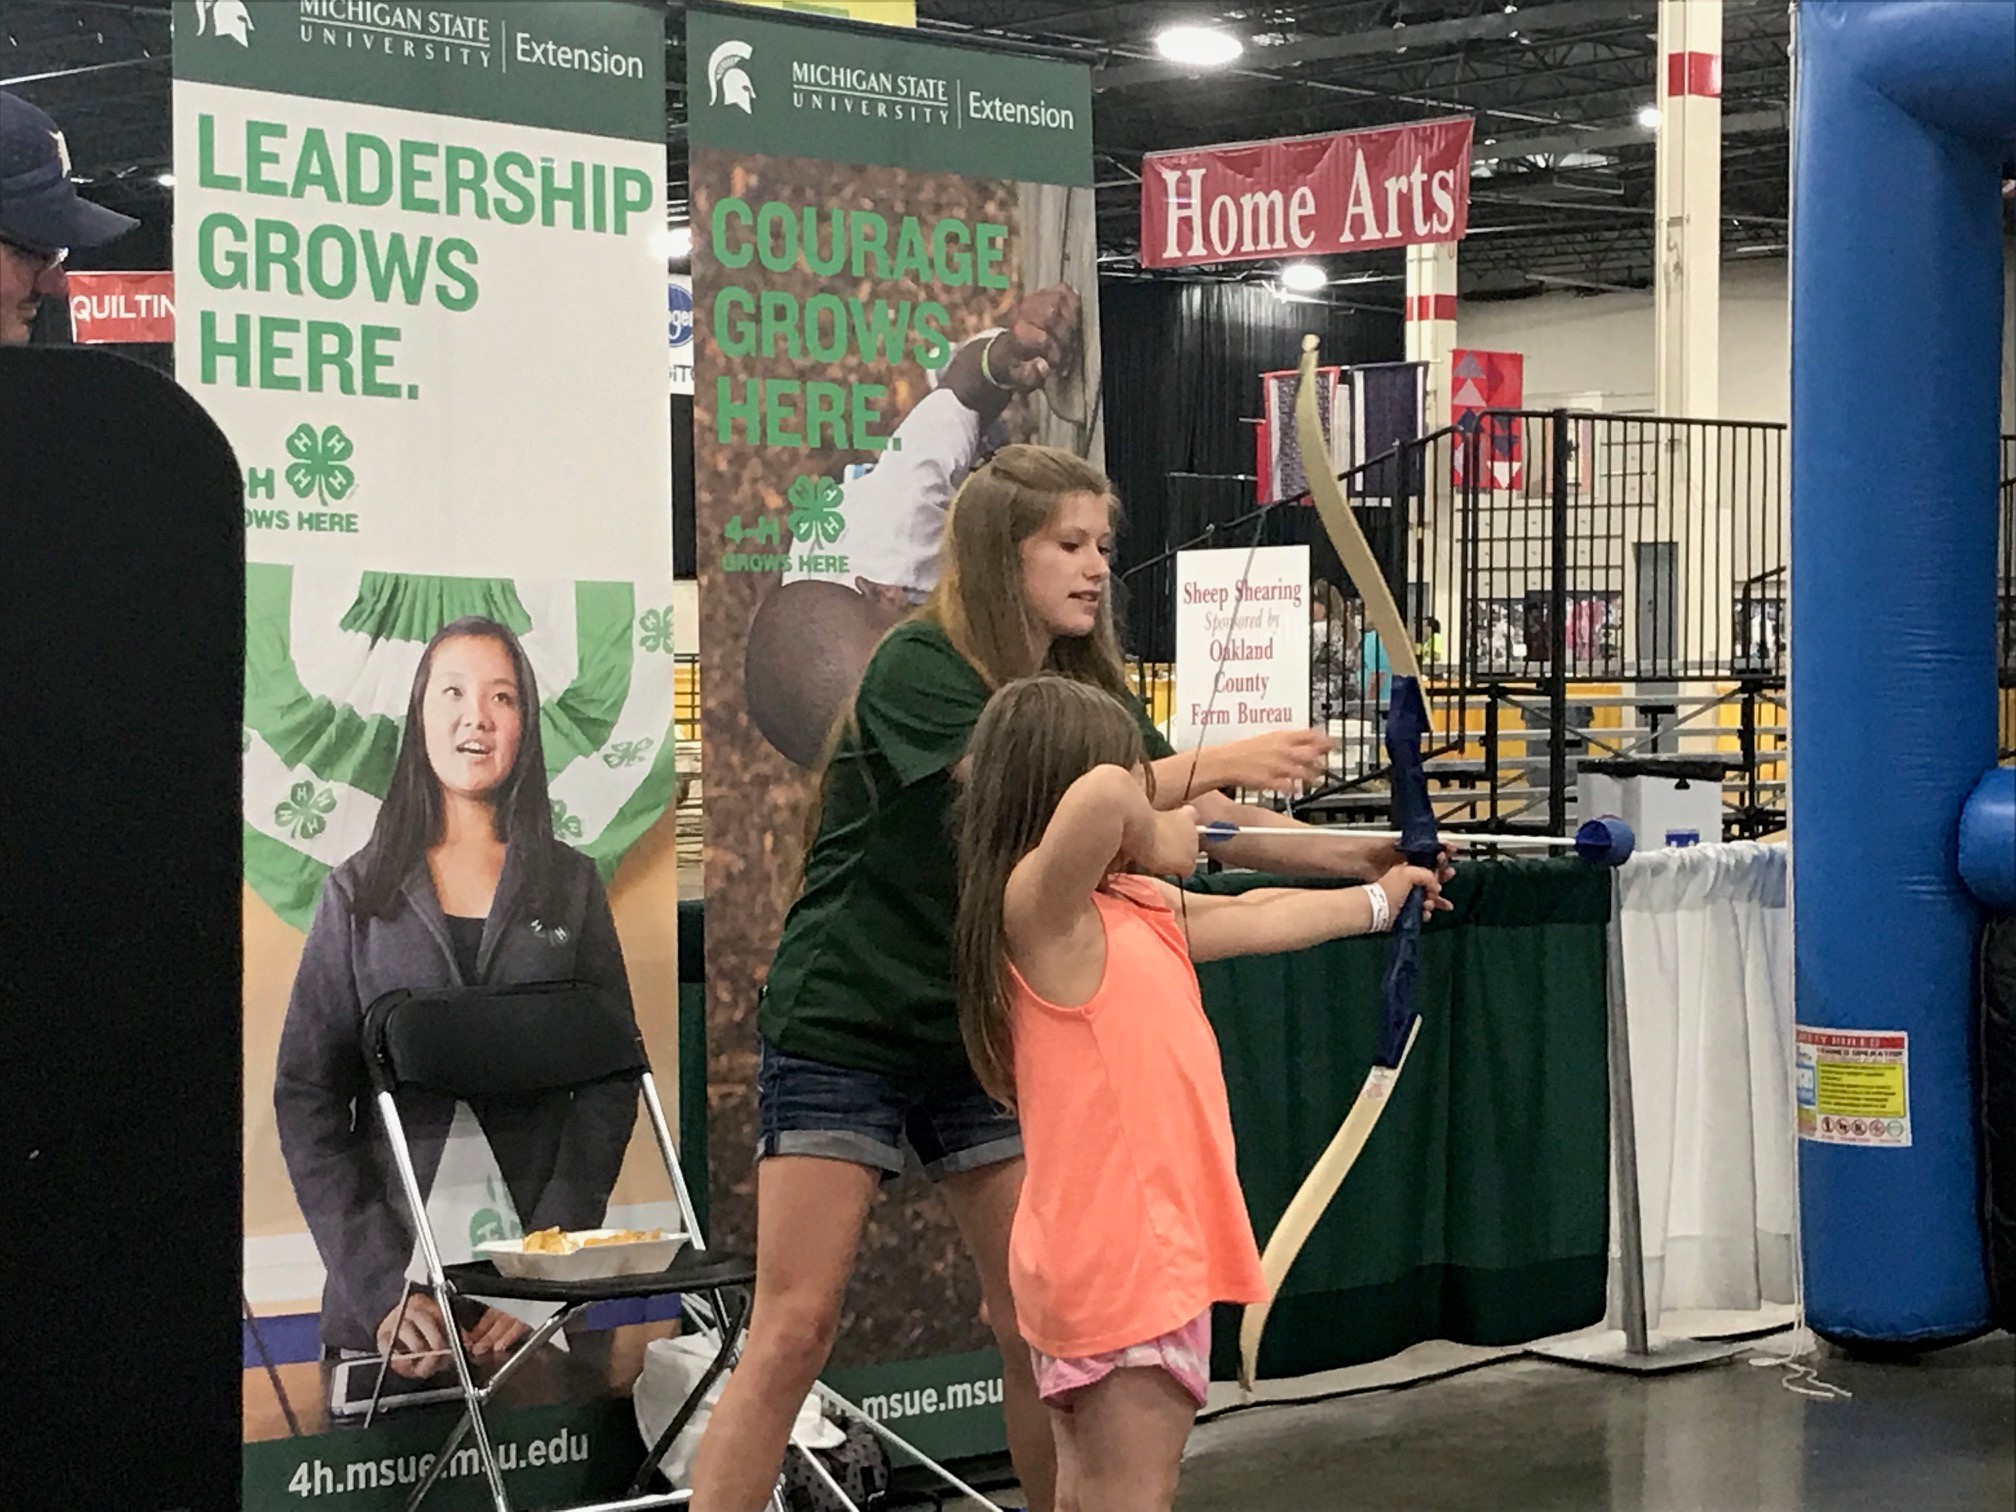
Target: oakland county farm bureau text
<point x="925" y="98"/>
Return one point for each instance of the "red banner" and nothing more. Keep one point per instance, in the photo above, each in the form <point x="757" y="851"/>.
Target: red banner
<point x="122" y="307"/>
<point x="1481" y="382"/>
<point x="1348" y="191"/>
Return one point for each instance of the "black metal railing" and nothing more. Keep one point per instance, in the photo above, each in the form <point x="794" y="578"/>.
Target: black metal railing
<point x="1576" y="583"/>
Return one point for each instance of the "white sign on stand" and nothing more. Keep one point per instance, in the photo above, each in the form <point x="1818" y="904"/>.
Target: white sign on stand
<point x="1242" y="629"/>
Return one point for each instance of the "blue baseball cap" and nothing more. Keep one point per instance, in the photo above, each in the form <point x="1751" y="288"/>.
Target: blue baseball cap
<point x="39" y="206"/>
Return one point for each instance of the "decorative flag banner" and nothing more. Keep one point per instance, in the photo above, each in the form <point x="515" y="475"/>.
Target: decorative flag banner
<point x="1483" y="381"/>
<point x="1280" y="472"/>
<point x="1347" y="191"/>
<point x="125" y="308"/>
<point x="420" y="275"/>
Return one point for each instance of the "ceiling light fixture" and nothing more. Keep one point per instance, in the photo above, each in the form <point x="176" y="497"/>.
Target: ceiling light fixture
<point x="1303" y="277"/>
<point x="1198" y="46"/>
<point x="1648" y="117"/>
<point x="165" y="180"/>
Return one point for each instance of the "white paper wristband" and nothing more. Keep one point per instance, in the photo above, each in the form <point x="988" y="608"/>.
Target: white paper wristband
<point x="1382" y="910"/>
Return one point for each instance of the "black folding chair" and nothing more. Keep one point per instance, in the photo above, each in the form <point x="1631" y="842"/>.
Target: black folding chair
<point x="482" y="1043"/>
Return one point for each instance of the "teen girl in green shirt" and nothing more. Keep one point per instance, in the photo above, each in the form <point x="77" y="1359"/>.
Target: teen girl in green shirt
<point x="861" y="1049"/>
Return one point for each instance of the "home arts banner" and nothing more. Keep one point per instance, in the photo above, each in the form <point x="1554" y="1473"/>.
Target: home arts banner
<point x="1344" y="191"/>
<point x="419" y="290"/>
<point x="866" y="208"/>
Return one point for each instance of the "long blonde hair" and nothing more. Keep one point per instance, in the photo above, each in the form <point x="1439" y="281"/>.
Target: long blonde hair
<point x="979" y="602"/>
<point x="1037" y="736"/>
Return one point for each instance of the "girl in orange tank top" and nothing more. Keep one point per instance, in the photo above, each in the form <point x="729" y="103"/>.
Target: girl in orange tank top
<point x="1080" y="1008"/>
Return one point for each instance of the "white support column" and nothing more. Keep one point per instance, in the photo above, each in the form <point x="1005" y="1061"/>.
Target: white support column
<point x="1687" y="315"/>
<point x="1431" y="320"/>
<point x="1687" y="292"/>
<point x="1431" y="338"/>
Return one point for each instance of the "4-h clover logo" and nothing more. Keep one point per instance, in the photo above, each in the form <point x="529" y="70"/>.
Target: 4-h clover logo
<point x="492" y="1223"/>
<point x="815" y="510"/>
<point x="626" y="753"/>
<point x="318" y="467"/>
<point x="304" y="812"/>
<point x="656" y="629"/>
<point x="567" y="826"/>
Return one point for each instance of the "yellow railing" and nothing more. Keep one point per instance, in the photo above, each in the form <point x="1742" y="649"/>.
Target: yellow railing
<point x="686" y="698"/>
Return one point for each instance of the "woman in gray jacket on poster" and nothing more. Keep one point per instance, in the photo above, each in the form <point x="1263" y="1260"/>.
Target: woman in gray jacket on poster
<point x="462" y="882"/>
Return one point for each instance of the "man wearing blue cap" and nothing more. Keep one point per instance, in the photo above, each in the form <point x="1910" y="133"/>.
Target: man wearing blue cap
<point x="42" y="216"/>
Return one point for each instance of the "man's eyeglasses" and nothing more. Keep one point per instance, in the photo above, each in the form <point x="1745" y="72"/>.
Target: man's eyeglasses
<point x="39" y="258"/>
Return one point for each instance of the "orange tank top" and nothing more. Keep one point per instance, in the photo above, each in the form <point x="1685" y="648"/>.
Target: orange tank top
<point x="1131" y="1221"/>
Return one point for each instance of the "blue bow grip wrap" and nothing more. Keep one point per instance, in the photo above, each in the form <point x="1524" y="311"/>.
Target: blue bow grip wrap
<point x="1414" y="818"/>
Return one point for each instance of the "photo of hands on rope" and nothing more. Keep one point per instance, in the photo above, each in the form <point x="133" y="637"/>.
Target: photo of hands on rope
<point x="1041" y="755"/>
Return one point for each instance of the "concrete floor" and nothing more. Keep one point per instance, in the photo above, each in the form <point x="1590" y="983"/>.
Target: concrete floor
<point x="1526" y="1435"/>
<point x="1532" y="1436"/>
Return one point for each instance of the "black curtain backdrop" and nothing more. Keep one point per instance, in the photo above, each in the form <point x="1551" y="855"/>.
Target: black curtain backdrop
<point x="685" y="562"/>
<point x="1182" y="380"/>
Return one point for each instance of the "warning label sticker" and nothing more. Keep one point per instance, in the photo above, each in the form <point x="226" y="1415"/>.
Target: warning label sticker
<point x="1854" y="1086"/>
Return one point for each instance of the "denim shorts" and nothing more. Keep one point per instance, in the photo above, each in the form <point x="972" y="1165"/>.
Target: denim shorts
<point x="808" y="1107"/>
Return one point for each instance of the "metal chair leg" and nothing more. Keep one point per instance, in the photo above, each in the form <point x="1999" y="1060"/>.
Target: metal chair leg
<point x="731" y="1329"/>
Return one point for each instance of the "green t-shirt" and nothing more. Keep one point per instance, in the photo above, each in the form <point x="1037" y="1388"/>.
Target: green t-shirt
<point x="863" y="974"/>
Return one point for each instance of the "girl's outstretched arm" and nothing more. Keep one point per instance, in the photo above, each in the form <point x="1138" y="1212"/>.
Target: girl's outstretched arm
<point x="1103" y="819"/>
<point x="1268" y="920"/>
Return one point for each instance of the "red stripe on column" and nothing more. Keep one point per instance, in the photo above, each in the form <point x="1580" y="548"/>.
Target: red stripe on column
<point x="1431" y="307"/>
<point x="1694" y="73"/>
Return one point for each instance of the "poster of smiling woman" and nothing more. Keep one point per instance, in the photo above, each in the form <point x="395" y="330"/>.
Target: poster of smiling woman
<point x="418" y="248"/>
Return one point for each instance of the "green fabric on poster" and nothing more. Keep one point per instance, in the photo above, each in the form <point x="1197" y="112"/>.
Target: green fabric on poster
<point x="579" y="719"/>
<point x="304" y="729"/>
<point x="642" y="809"/>
<point x="411" y="606"/>
<point x="1479" y="1210"/>
<point x="287" y="879"/>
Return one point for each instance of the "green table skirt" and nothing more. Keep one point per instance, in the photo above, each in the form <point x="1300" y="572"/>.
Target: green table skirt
<point x="1479" y="1210"/>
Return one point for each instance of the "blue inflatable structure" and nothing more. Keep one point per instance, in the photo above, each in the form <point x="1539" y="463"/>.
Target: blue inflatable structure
<point x="1905" y="115"/>
<point x="1988" y="841"/>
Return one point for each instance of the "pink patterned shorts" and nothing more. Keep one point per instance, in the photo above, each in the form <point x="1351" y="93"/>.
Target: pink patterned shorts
<point x="1184" y="1352"/>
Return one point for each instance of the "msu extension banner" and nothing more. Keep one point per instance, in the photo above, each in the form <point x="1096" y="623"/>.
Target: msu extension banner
<point x="420" y="285"/>
<point x="866" y="206"/>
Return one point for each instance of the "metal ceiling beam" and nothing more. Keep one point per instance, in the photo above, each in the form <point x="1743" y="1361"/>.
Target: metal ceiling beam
<point x="1553" y="144"/>
<point x="1550" y="144"/>
<point x="1492" y="27"/>
<point x="1594" y="107"/>
<point x="160" y="60"/>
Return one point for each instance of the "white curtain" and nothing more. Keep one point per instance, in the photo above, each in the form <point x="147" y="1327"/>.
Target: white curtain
<point x="1707" y="952"/>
